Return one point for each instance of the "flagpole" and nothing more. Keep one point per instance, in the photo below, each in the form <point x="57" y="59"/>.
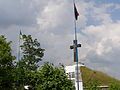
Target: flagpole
<point x="76" y="55"/>
<point x="19" y="47"/>
<point x="75" y="23"/>
<point x="18" y="55"/>
<point x="77" y="58"/>
<point x="75" y="30"/>
<point x="75" y="48"/>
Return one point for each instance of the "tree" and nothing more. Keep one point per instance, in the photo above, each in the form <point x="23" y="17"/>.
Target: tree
<point x="6" y="65"/>
<point x="32" y="53"/>
<point x="53" y="78"/>
<point x="26" y="72"/>
<point x="27" y="66"/>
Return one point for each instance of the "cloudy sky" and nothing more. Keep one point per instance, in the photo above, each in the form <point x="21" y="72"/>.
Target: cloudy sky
<point x="52" y="23"/>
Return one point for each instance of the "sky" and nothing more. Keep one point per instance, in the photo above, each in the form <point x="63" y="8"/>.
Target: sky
<point x="52" y="23"/>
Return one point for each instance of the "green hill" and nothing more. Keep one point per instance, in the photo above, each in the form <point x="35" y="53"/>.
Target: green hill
<point x="89" y="75"/>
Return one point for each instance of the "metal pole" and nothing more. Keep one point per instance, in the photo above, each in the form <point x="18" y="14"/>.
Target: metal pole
<point x="77" y="66"/>
<point x="19" y="48"/>
<point x="75" y="22"/>
<point x="76" y="55"/>
<point x="19" y="55"/>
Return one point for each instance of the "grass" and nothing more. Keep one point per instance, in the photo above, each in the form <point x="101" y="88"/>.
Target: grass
<point x="89" y="75"/>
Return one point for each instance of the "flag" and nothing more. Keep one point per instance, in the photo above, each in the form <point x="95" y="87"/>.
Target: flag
<point x="20" y="36"/>
<point x="20" y="32"/>
<point x="76" y="12"/>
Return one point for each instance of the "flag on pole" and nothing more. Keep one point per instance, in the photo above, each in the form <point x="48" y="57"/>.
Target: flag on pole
<point x="20" y="32"/>
<point x="20" y="35"/>
<point x="76" y="12"/>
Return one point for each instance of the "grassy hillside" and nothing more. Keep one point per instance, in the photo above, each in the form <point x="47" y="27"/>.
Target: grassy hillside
<point x="89" y="75"/>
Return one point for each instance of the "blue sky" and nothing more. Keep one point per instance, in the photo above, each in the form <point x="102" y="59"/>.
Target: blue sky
<point x="105" y="1"/>
<point x="113" y="10"/>
<point x="115" y="14"/>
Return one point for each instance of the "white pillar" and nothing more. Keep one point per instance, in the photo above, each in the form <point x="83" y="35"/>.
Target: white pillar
<point x="80" y="78"/>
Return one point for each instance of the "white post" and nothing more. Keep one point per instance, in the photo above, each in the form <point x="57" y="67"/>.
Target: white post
<point x="78" y="78"/>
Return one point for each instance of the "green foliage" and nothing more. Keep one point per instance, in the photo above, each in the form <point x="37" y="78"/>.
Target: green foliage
<point x="46" y="77"/>
<point x="32" y="53"/>
<point x="25" y="72"/>
<point x="91" y="75"/>
<point x="6" y="65"/>
<point x="27" y="66"/>
<point x="92" y="85"/>
<point x="114" y="86"/>
<point x="53" y="78"/>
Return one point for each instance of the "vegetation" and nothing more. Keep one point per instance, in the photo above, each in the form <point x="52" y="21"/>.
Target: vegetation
<point x="92" y="79"/>
<point x="6" y="64"/>
<point x="27" y="66"/>
<point x="14" y="76"/>
<point x="115" y="86"/>
<point x="32" y="53"/>
<point x="53" y="78"/>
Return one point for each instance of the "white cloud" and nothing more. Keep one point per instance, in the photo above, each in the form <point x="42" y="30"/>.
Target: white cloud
<point x="104" y="47"/>
<point x="56" y="18"/>
<point x="54" y="28"/>
<point x="100" y="14"/>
